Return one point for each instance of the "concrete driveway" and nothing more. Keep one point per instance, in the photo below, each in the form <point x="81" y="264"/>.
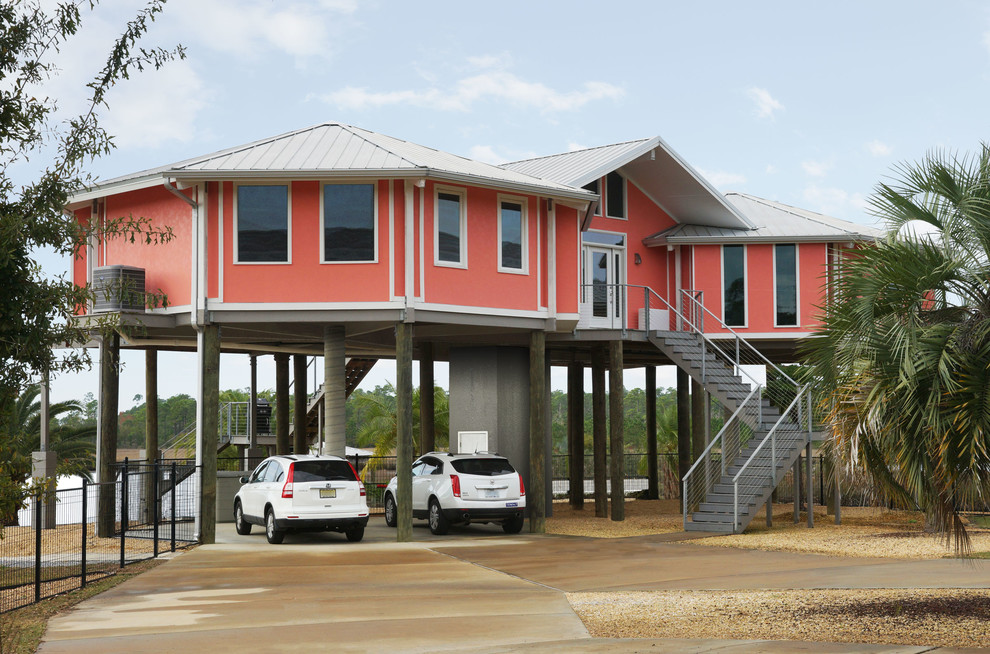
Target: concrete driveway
<point x="473" y="590"/>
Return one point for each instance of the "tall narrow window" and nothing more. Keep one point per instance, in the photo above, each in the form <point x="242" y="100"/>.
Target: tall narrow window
<point x="785" y="285"/>
<point x="348" y="222"/>
<point x="734" y="285"/>
<point x="511" y="226"/>
<point x="615" y="196"/>
<point x="450" y="242"/>
<point x="595" y="187"/>
<point x="263" y="224"/>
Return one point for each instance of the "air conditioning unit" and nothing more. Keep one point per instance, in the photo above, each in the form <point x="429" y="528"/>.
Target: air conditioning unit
<point x="118" y="288"/>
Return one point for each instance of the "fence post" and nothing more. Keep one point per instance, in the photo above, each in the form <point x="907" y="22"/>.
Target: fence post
<point x="37" y="546"/>
<point x="154" y="498"/>
<point x="85" y="523"/>
<point x="173" y="505"/>
<point x="123" y="513"/>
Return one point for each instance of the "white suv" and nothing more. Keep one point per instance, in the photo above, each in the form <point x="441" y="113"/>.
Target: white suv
<point x="302" y="493"/>
<point x="463" y="488"/>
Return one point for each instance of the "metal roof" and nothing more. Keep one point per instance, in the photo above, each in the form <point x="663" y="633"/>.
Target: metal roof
<point x="775" y="222"/>
<point x="654" y="167"/>
<point x="334" y="149"/>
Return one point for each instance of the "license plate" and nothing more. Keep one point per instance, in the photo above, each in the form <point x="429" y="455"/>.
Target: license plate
<point x="328" y="493"/>
<point x="509" y="505"/>
<point x="491" y="493"/>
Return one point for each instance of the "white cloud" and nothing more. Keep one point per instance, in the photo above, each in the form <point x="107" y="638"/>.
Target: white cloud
<point x="878" y="148"/>
<point x="486" y="154"/>
<point x="766" y="104"/>
<point x="721" y="179"/>
<point x="833" y="201"/>
<point x="488" y="86"/>
<point x="250" y="28"/>
<point x="156" y="107"/>
<point x="574" y="147"/>
<point x="771" y="169"/>
<point x="816" y="168"/>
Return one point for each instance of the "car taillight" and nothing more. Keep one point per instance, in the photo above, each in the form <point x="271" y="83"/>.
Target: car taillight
<point x="455" y="485"/>
<point x="287" y="489"/>
<point x="522" y="488"/>
<point x="361" y="488"/>
<point x="354" y="470"/>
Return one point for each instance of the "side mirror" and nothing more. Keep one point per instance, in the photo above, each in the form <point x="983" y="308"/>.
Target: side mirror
<point x="244" y="480"/>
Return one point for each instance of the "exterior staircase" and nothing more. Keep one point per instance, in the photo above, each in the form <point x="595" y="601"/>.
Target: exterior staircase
<point x="756" y="447"/>
<point x="357" y="369"/>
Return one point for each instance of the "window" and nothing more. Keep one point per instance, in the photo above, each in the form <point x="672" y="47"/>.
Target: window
<point x="263" y="224"/>
<point x="615" y="196"/>
<point x="785" y="285"/>
<point x="450" y="242"/>
<point x="349" y="223"/>
<point x="594" y="187"/>
<point x="734" y="285"/>
<point x="511" y="236"/>
<point x="483" y="467"/>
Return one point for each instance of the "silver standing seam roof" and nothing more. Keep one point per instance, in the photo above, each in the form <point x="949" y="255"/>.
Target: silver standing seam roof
<point x="776" y="222"/>
<point x="338" y="150"/>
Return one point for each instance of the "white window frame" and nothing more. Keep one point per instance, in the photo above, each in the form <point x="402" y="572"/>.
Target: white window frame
<point x="288" y="217"/>
<point x="523" y="202"/>
<point x="745" y="250"/>
<point x="323" y="258"/>
<point x="625" y="196"/>
<point x="462" y="193"/>
<point x="797" y="285"/>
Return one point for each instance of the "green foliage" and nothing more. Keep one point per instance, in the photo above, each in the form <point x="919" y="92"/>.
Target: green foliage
<point x="634" y="420"/>
<point x="901" y="359"/>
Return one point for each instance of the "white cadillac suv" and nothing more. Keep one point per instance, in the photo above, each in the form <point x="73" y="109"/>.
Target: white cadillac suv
<point x="463" y="488"/>
<point x="302" y="493"/>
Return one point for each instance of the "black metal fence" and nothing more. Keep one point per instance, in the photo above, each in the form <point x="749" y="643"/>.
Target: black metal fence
<point x="63" y="540"/>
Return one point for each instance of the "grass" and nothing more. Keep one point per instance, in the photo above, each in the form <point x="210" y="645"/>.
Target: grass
<point x="21" y="630"/>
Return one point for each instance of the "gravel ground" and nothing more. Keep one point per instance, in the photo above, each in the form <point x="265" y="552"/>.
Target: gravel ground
<point x="944" y="618"/>
<point x="933" y="617"/>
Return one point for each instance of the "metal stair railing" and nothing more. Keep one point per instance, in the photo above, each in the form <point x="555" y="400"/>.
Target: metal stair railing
<point x="748" y="476"/>
<point x="229" y="419"/>
<point x="729" y="442"/>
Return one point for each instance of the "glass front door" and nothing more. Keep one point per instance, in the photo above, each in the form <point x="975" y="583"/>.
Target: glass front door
<point x="603" y="292"/>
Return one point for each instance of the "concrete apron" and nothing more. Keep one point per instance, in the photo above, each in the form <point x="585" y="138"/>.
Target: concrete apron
<point x="473" y="590"/>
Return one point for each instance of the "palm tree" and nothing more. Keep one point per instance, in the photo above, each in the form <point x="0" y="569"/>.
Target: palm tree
<point x="379" y="427"/>
<point x="903" y="356"/>
<point x="20" y="435"/>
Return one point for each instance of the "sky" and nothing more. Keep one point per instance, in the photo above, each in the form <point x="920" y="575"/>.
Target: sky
<point x="810" y="104"/>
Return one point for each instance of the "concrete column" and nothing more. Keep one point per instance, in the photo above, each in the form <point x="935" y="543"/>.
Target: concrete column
<point x="150" y="428"/>
<point x="282" y="443"/>
<point x="575" y="434"/>
<point x="404" y="430"/>
<point x="43" y="462"/>
<point x="652" y="473"/>
<point x="616" y="430"/>
<point x="300" y="440"/>
<point x="210" y="394"/>
<point x="600" y="440"/>
<point x="684" y="459"/>
<point x="109" y="391"/>
<point x="536" y="491"/>
<point x="698" y="400"/>
<point x="334" y="390"/>
<point x="427" y="420"/>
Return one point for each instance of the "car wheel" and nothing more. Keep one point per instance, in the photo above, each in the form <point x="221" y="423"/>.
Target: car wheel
<point x="355" y="534"/>
<point x="513" y="525"/>
<point x="438" y="523"/>
<point x="274" y="535"/>
<point x="243" y="526"/>
<point x="389" y="510"/>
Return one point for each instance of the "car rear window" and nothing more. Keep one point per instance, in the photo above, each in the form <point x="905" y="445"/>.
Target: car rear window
<point x="323" y="471"/>
<point x="483" y="467"/>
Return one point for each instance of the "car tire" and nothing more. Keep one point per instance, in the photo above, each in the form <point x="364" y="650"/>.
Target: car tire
<point x="390" y="510"/>
<point x="355" y="534"/>
<point x="513" y="525"/>
<point x="438" y="523"/>
<point x="274" y="535"/>
<point x="243" y="526"/>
